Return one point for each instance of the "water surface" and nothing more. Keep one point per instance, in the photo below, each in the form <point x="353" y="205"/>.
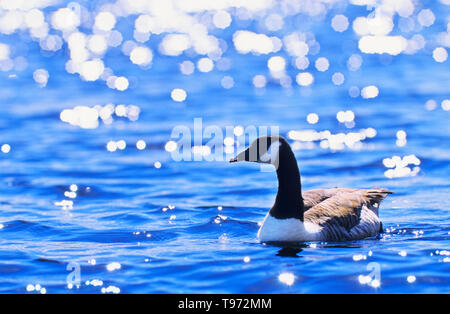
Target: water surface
<point x="141" y="222"/>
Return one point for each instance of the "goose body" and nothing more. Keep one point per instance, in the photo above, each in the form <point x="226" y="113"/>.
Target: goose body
<point x="338" y="214"/>
<point x="330" y="215"/>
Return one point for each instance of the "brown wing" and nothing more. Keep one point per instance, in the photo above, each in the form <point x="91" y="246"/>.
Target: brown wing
<point x="341" y="211"/>
<point x="313" y="197"/>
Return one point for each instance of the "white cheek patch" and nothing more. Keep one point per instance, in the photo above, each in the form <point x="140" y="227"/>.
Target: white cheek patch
<point x="272" y="153"/>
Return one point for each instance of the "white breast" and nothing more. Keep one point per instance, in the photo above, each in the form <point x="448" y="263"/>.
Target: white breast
<point x="291" y="229"/>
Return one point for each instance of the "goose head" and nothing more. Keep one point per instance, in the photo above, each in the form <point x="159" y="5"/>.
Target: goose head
<point x="275" y="150"/>
<point x="265" y="149"/>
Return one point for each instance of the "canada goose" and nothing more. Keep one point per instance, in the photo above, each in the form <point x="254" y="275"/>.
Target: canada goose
<point x="338" y="214"/>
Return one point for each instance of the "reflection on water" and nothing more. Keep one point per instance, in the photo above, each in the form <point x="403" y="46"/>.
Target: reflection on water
<point x="91" y="200"/>
<point x="289" y="251"/>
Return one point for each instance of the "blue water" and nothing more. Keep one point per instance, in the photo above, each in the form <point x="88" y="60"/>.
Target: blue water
<point x="190" y="226"/>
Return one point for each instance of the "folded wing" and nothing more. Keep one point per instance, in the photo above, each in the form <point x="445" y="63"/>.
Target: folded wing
<point x="344" y="213"/>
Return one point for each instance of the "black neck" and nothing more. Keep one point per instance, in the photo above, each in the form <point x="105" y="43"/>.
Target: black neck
<point x="289" y="201"/>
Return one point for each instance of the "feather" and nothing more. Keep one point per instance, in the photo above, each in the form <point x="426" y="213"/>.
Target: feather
<point x="339" y="211"/>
